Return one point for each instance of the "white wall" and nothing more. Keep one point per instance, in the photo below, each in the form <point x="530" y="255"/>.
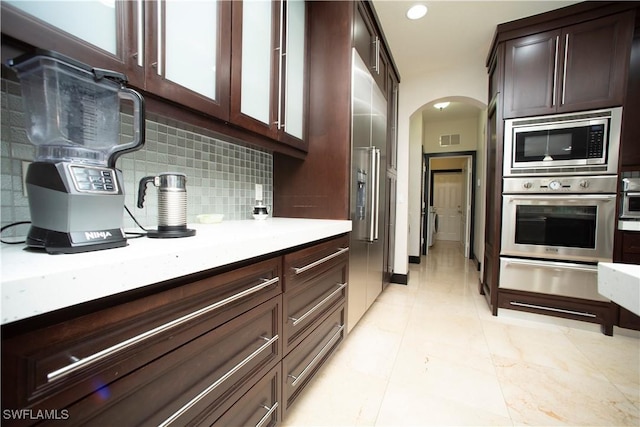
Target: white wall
<point x="467" y="81"/>
<point x="480" y="199"/>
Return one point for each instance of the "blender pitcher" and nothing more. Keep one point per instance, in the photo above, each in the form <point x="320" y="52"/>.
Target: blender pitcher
<point x="72" y="112"/>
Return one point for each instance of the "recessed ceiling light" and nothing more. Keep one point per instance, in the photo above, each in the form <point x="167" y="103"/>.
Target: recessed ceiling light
<point x="441" y="105"/>
<point x="417" y="11"/>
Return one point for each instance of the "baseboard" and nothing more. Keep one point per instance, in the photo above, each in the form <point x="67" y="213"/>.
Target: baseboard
<point x="414" y="259"/>
<point x="477" y="262"/>
<point x="400" y="279"/>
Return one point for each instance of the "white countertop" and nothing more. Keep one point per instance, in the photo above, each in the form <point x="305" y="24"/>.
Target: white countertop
<point x="621" y="284"/>
<point x="36" y="282"/>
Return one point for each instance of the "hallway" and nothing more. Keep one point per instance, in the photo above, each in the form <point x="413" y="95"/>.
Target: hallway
<point x="431" y="353"/>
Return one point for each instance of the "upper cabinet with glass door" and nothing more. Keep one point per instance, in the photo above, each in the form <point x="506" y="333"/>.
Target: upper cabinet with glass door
<point x="188" y="53"/>
<point x="268" y="89"/>
<point x="95" y="32"/>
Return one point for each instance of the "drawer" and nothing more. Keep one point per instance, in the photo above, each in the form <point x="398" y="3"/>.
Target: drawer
<point x="308" y="263"/>
<point x="197" y="381"/>
<point x="260" y="407"/>
<point x="308" y="304"/>
<point x="58" y="364"/>
<point x="303" y="362"/>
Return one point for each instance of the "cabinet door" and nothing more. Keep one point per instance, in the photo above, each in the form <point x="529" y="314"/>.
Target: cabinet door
<point x="292" y="111"/>
<point x="188" y="58"/>
<point x="364" y="36"/>
<point x="268" y="78"/>
<point x="101" y="34"/>
<point x="530" y="81"/>
<point x="595" y="59"/>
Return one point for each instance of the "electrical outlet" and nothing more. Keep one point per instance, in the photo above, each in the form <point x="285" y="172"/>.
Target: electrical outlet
<point x="25" y="166"/>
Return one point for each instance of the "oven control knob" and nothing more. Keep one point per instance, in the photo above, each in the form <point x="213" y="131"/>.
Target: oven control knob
<point x="527" y="185"/>
<point x="584" y="184"/>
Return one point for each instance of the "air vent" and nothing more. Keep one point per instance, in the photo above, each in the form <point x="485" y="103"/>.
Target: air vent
<point x="448" y="140"/>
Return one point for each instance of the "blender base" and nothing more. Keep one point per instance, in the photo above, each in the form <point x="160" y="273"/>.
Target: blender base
<point x="58" y="242"/>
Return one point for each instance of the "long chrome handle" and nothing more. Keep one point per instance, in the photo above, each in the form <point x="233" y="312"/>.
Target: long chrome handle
<point x="220" y="380"/>
<point x="159" y="35"/>
<point x="558" y="310"/>
<point x="376" y="212"/>
<point x="376" y="66"/>
<point x="89" y="360"/>
<point x="551" y="266"/>
<point x="372" y="200"/>
<point x="297" y="378"/>
<point x="281" y="55"/>
<point x="266" y="416"/>
<point x="297" y="320"/>
<point x="139" y="55"/>
<point x="298" y="270"/>
<point x="555" y="73"/>
<point x="564" y="71"/>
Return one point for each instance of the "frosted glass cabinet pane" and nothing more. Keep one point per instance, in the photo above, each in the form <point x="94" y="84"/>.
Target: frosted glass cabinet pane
<point x="91" y="20"/>
<point x="191" y="31"/>
<point x="294" y="95"/>
<point x="256" y="59"/>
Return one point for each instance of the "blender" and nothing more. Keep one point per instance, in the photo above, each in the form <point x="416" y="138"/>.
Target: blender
<point x="72" y="111"/>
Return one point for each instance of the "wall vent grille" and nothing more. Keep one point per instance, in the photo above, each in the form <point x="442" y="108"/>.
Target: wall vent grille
<point x="448" y="140"/>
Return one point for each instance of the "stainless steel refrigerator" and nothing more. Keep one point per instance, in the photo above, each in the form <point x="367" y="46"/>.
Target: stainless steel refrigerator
<point x="368" y="180"/>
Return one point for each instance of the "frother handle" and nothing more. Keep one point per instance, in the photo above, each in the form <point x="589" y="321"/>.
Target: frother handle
<point x="138" y="125"/>
<point x="142" y="189"/>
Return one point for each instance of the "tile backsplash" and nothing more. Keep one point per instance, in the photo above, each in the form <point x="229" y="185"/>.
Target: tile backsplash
<point x="221" y="176"/>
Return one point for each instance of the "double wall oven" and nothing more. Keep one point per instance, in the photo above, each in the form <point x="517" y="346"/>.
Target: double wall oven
<point x="559" y="202"/>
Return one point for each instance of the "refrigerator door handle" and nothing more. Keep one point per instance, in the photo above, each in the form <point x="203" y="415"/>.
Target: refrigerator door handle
<point x="372" y="195"/>
<point x="376" y="177"/>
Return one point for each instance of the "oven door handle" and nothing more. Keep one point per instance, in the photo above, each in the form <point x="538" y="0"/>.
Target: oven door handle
<point x="550" y="265"/>
<point x="581" y="198"/>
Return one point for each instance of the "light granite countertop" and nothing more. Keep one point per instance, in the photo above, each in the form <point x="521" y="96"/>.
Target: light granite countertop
<point x="36" y="282"/>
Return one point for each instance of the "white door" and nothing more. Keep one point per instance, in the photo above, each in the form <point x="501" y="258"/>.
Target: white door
<point x="465" y="221"/>
<point x="447" y="201"/>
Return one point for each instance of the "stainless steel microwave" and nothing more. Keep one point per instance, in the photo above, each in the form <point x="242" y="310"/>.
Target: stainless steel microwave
<point x="575" y="143"/>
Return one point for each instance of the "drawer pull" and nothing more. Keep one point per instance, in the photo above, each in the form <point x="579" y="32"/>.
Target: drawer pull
<point x="558" y="310"/>
<point x="298" y="270"/>
<point x="206" y="391"/>
<point x="267" y="415"/>
<point x="89" y="360"/>
<point x="297" y="320"/>
<point x="297" y="378"/>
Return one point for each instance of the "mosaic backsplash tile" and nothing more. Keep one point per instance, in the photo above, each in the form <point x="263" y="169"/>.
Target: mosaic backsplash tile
<point x="221" y="176"/>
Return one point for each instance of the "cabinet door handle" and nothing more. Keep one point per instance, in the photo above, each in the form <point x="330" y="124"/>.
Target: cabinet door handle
<point x="206" y="391"/>
<point x="298" y="270"/>
<point x="297" y="378"/>
<point x="266" y="416"/>
<point x="564" y="70"/>
<point x="114" y="349"/>
<point x="555" y="73"/>
<point x="297" y="320"/>
<point x="139" y="55"/>
<point x="376" y="63"/>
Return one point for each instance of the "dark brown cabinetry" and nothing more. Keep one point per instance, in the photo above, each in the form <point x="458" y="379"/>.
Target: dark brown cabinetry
<point x="206" y="349"/>
<point x="154" y="48"/>
<point x="571" y="59"/>
<point x="577" y="67"/>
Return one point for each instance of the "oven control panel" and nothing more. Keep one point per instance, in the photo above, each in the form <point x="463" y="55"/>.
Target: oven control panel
<point x="583" y="184"/>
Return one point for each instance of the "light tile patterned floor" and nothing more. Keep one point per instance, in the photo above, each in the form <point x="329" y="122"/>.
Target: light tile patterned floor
<point x="431" y="353"/>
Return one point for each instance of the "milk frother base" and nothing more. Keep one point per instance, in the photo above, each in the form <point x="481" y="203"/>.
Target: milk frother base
<point x="168" y="234"/>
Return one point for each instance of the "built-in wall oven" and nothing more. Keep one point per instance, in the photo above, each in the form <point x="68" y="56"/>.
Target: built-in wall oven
<point x="554" y="232"/>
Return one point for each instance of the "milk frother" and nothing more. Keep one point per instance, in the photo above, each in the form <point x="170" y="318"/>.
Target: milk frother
<point x="172" y="204"/>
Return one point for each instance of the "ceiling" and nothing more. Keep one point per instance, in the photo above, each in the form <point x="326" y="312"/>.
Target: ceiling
<point x="452" y="34"/>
